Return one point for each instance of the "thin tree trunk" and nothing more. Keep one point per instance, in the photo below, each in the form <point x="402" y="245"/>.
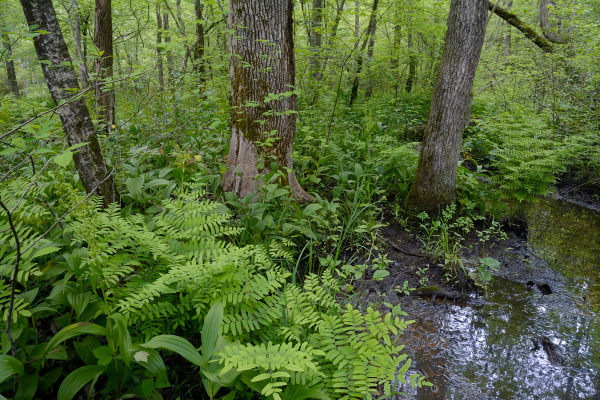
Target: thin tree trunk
<point x="60" y="76"/>
<point x="515" y="21"/>
<point x="552" y="28"/>
<point x="370" y="31"/>
<point x="412" y="57"/>
<point x="357" y="20"/>
<point x="396" y="55"/>
<point x="434" y="186"/>
<point x="10" y="67"/>
<point x="316" y="38"/>
<point x="74" y="25"/>
<point x="183" y="34"/>
<point x="103" y="40"/>
<point x="332" y="36"/>
<point x="263" y="39"/>
<point x="159" y="63"/>
<point x="198" y="52"/>
<point x="370" y="51"/>
<point x="167" y="41"/>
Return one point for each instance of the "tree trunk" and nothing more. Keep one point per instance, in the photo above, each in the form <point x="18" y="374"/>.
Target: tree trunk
<point x="370" y="31"/>
<point x="515" y="21"/>
<point x="103" y="40"/>
<point x="167" y="41"/>
<point x="412" y="57"/>
<point x="370" y="51"/>
<point x="60" y="76"/>
<point x="199" y="45"/>
<point x="10" y="67"/>
<point x="316" y="38"/>
<point x="551" y="26"/>
<point x="75" y="26"/>
<point x="357" y="20"/>
<point x="396" y="55"/>
<point x="262" y="62"/>
<point x="434" y="186"/>
<point x="159" y="63"/>
<point x="332" y="36"/>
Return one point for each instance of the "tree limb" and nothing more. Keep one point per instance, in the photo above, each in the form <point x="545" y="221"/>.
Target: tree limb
<point x="515" y="21"/>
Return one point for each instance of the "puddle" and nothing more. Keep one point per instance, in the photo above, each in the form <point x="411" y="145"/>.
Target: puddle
<point x="488" y="352"/>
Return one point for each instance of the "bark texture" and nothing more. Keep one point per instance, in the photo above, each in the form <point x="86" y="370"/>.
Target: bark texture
<point x="58" y="71"/>
<point x="103" y="40"/>
<point x="434" y="186"/>
<point x="552" y="27"/>
<point x="262" y="62"/>
<point x="515" y="21"/>
<point x="168" y="40"/>
<point x="10" y="67"/>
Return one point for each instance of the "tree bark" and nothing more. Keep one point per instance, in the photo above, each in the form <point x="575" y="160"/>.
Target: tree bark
<point x="316" y="38"/>
<point x="261" y="62"/>
<point x="434" y="186"/>
<point x="198" y="51"/>
<point x="552" y="28"/>
<point x="159" y="62"/>
<point x="10" y="67"/>
<point x="58" y="71"/>
<point x="103" y="40"/>
<point x="529" y="33"/>
<point x="359" y="63"/>
<point x="357" y="20"/>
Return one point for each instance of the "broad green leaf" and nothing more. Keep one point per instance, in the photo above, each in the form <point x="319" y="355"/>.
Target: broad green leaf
<point x="64" y="158"/>
<point x="124" y="339"/>
<point x="210" y="330"/>
<point x="78" y="145"/>
<point x="134" y="185"/>
<point x="380" y="274"/>
<point x="27" y="386"/>
<point x="297" y="392"/>
<point x="9" y="366"/>
<point x="74" y="330"/>
<point x="78" y="379"/>
<point x="177" y="345"/>
<point x="153" y="362"/>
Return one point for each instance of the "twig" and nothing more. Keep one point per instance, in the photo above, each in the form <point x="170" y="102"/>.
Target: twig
<point x="393" y="246"/>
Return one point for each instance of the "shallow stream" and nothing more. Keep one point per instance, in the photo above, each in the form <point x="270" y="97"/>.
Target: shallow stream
<point x="488" y="351"/>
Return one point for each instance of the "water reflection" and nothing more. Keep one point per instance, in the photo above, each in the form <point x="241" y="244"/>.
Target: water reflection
<point x="489" y="352"/>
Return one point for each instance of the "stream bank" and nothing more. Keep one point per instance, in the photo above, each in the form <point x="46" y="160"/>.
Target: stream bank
<point x="547" y="291"/>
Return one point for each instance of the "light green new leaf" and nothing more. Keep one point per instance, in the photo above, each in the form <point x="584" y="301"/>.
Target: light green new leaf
<point x="78" y="379"/>
<point x="297" y="392"/>
<point x="177" y="345"/>
<point x="380" y="274"/>
<point x="9" y="366"/>
<point x="64" y="158"/>
<point x="44" y="251"/>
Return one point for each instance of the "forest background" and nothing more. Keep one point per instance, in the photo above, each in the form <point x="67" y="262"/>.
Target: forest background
<point x="243" y="261"/>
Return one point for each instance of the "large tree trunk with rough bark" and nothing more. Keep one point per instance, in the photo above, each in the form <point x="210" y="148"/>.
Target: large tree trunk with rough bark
<point x="552" y="26"/>
<point x="434" y="186"/>
<point x="198" y="50"/>
<point x="103" y="40"/>
<point x="262" y="63"/>
<point x="10" y="67"/>
<point x="60" y="76"/>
